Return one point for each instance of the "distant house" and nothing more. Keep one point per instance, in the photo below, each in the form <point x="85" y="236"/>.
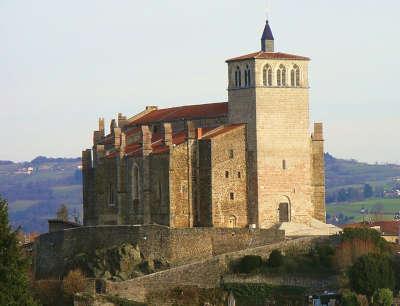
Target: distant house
<point x="388" y="229"/>
<point x="26" y="240"/>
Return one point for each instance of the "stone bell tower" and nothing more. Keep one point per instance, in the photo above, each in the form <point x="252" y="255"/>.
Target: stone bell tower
<point x="269" y="91"/>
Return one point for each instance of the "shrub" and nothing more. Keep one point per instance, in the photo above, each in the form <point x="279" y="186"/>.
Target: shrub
<point x="248" y="264"/>
<point x="275" y="259"/>
<point x="371" y="272"/>
<point x="48" y="292"/>
<point x="326" y="254"/>
<point x="349" y="298"/>
<point x="362" y="300"/>
<point x="356" y="242"/>
<point x="73" y="283"/>
<point x="365" y="233"/>
<point x="383" y="297"/>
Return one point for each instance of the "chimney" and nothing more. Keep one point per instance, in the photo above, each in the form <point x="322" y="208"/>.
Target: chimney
<point x="97" y="137"/>
<point x="87" y="159"/>
<point x="121" y="120"/>
<point x="146" y="143"/>
<point x="123" y="145"/>
<point x="101" y="126"/>
<point x="191" y="130"/>
<point x="168" y="140"/>
<point x="199" y="133"/>
<point x="100" y="151"/>
<point x="318" y="134"/>
<point x="117" y="137"/>
<point x="113" y="125"/>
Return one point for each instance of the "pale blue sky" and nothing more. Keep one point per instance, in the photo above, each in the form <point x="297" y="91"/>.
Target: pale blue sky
<point x="65" y="63"/>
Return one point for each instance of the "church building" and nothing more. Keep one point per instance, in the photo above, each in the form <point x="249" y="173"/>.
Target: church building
<point x="253" y="161"/>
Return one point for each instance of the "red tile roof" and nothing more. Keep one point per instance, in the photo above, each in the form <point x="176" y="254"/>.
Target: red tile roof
<point x="158" y="144"/>
<point x="220" y="130"/>
<point x="159" y="147"/>
<point x="269" y="55"/>
<point x="132" y="131"/>
<point x="211" y="110"/>
<point x="387" y="227"/>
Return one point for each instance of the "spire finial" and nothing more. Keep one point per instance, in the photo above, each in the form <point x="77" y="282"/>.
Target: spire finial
<point x="267" y="39"/>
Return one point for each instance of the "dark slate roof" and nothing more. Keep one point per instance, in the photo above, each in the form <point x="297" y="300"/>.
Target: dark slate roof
<point x="267" y="34"/>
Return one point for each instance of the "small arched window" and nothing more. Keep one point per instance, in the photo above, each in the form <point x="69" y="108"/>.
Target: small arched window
<point x="295" y="76"/>
<point x="267" y="76"/>
<point x="232" y="222"/>
<point x="281" y="76"/>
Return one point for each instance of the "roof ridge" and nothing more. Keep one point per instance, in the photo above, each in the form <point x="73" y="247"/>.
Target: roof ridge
<point x="214" y="130"/>
<point x="190" y="105"/>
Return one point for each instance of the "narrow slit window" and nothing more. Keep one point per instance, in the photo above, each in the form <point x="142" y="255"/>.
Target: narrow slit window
<point x="226" y="174"/>
<point x="284" y="164"/>
<point x="111" y="195"/>
<point x="239" y="174"/>
<point x="231" y="154"/>
<point x="232" y="196"/>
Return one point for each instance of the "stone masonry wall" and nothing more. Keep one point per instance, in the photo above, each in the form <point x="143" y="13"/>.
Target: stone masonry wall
<point x="176" y="245"/>
<point x="318" y="173"/>
<point x="229" y="179"/>
<point x="179" y="186"/>
<point x="278" y="140"/>
<point x="204" y="274"/>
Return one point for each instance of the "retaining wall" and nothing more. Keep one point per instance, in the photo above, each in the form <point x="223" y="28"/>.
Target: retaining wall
<point x="177" y="246"/>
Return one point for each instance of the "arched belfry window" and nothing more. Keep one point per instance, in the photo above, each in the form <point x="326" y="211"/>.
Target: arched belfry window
<point x="295" y="76"/>
<point x="281" y="76"/>
<point x="247" y="77"/>
<point x="238" y="77"/>
<point x="267" y="76"/>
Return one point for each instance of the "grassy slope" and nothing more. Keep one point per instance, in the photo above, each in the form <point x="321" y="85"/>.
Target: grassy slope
<point x="390" y="207"/>
<point x="341" y="173"/>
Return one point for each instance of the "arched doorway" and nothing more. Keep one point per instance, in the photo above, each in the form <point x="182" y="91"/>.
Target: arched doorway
<point x="284" y="209"/>
<point x="283" y="212"/>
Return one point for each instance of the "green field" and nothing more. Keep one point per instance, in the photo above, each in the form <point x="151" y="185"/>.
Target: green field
<point x="389" y="208"/>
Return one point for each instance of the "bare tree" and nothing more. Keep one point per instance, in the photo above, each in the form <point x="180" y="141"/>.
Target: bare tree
<point x="62" y="213"/>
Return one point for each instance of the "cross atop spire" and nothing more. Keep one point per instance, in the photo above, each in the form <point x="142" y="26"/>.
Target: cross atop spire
<point x="267" y="39"/>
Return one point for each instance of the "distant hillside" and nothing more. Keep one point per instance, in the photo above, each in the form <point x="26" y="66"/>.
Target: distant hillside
<point x="37" y="188"/>
<point x="343" y="172"/>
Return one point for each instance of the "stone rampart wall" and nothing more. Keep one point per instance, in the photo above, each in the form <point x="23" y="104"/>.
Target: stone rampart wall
<point x="178" y="246"/>
<point x="207" y="273"/>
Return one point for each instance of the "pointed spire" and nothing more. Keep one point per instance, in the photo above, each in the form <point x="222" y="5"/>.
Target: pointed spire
<point x="267" y="39"/>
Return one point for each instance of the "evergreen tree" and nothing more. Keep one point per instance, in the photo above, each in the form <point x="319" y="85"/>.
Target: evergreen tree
<point x="14" y="284"/>
<point x="371" y="272"/>
<point x="368" y="191"/>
